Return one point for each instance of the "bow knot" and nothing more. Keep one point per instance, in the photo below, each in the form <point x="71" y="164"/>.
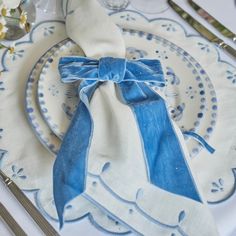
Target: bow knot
<point x="111" y="69"/>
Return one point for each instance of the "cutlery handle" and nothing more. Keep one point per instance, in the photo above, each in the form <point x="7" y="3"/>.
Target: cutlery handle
<point x="9" y="220"/>
<point x="228" y="49"/>
<point x="29" y="207"/>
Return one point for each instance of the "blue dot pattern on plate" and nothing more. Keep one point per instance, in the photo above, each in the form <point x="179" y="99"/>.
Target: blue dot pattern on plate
<point x="48" y="139"/>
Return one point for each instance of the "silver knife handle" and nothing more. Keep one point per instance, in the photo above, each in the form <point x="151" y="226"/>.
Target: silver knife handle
<point x="10" y="221"/>
<point x="29" y="207"/>
<point x="227" y="48"/>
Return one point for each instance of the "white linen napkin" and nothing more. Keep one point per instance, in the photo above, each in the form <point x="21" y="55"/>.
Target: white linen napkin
<point x="87" y="18"/>
<point x="89" y="26"/>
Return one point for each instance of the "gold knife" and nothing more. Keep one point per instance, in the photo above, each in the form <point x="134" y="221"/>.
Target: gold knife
<point x="215" y="23"/>
<point x="28" y="206"/>
<point x="202" y="29"/>
<point x="10" y="221"/>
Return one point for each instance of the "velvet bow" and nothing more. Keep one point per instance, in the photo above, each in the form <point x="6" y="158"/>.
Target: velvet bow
<point x="166" y="164"/>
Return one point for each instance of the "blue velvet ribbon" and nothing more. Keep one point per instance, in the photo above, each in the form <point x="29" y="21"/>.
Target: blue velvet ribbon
<point x="166" y="164"/>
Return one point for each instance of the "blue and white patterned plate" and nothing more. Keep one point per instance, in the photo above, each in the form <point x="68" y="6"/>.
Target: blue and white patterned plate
<point x="189" y="93"/>
<point x="44" y="134"/>
<point x="51" y="92"/>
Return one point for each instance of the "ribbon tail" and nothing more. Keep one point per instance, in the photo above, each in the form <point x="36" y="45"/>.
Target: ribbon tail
<point x="70" y="167"/>
<point x="166" y="164"/>
<point x="201" y="140"/>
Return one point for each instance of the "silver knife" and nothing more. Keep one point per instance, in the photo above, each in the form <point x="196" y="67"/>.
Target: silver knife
<point x="28" y="206"/>
<point x="10" y="221"/>
<point x="202" y="29"/>
<point x="215" y="23"/>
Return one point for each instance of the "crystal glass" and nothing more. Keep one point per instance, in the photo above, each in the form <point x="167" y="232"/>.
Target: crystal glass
<point x="150" y="6"/>
<point x="14" y="31"/>
<point x="116" y="5"/>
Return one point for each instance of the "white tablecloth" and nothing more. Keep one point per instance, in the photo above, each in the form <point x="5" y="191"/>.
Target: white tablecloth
<point x="224" y="11"/>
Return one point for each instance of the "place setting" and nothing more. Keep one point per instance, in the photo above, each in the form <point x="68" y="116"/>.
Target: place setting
<point x="98" y="137"/>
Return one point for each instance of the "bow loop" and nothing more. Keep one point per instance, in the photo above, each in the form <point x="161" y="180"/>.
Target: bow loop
<point x="72" y="69"/>
<point x="145" y="70"/>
